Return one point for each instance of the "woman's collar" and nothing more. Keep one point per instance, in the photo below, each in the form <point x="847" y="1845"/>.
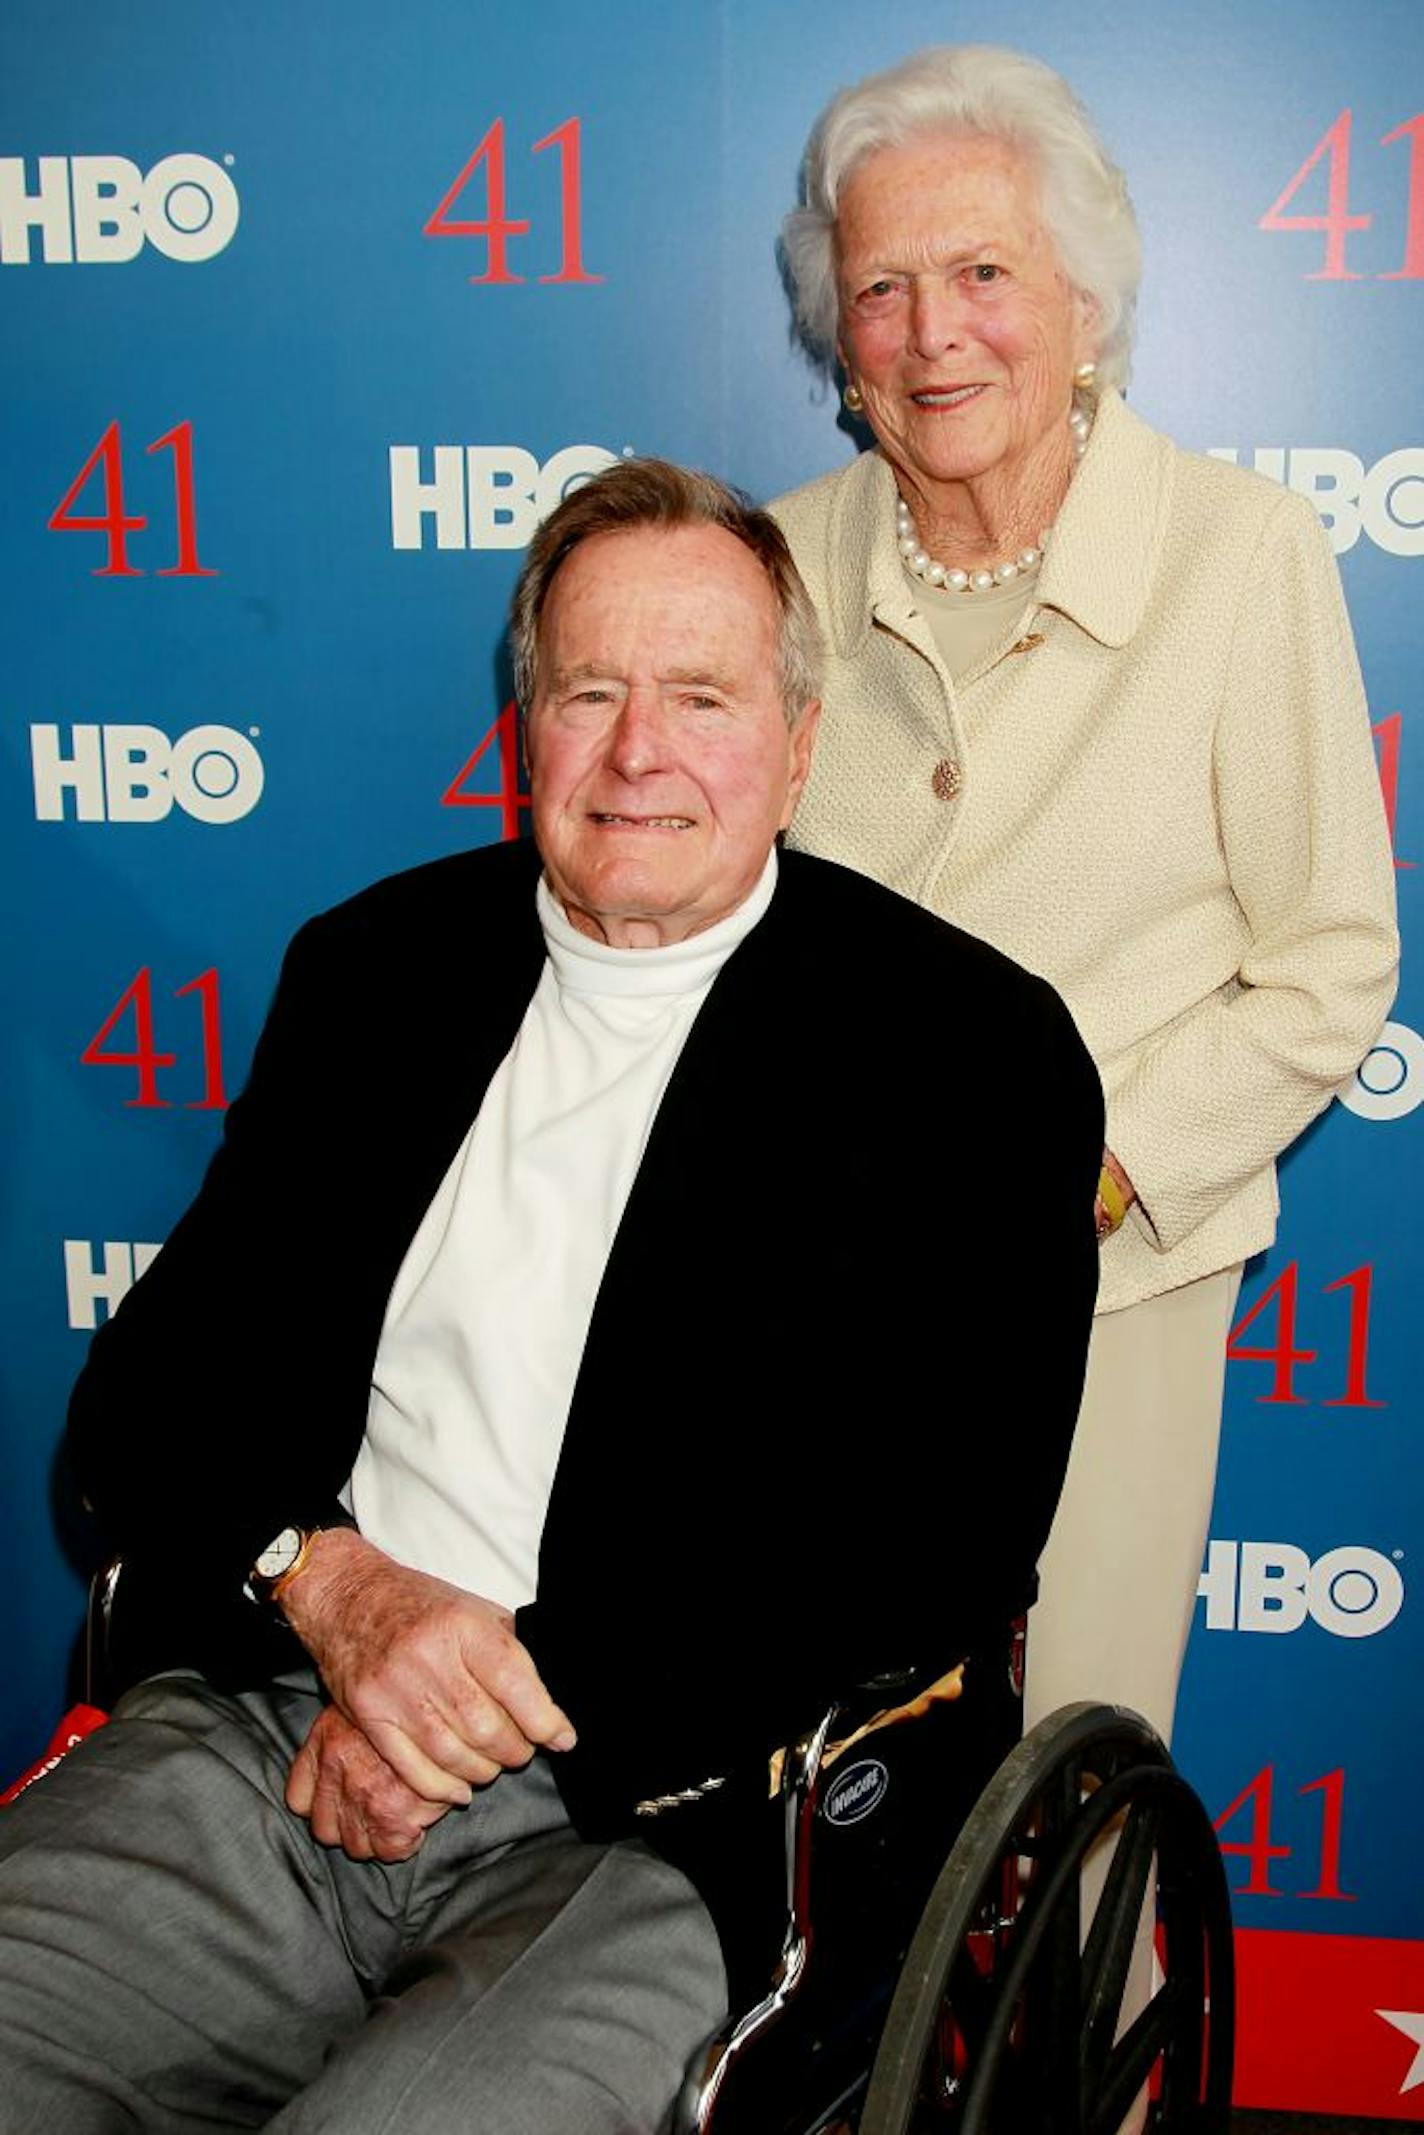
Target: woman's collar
<point x="1098" y="570"/>
<point x="1108" y="540"/>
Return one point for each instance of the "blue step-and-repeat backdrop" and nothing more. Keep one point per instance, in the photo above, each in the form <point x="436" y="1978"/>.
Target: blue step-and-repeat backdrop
<point x="308" y="314"/>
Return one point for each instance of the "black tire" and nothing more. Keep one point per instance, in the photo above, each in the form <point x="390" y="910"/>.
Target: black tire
<point x="1005" y="2020"/>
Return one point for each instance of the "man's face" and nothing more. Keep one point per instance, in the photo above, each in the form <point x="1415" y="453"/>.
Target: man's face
<point x="661" y="764"/>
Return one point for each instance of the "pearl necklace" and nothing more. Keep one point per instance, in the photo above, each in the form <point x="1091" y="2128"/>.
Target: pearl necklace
<point x="922" y="564"/>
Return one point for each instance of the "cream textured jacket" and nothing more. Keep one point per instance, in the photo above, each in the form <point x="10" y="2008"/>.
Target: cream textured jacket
<point x="1163" y="799"/>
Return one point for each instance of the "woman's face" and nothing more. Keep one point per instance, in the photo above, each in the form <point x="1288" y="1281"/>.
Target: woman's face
<point x="957" y="322"/>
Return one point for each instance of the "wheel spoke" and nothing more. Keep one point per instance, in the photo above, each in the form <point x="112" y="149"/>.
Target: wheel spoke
<point x="1052" y="2006"/>
<point x="1133" y="2058"/>
<point x="1051" y="1998"/>
<point x="1183" y="2053"/>
<point x="958" y="2033"/>
<point x="1107" y="1958"/>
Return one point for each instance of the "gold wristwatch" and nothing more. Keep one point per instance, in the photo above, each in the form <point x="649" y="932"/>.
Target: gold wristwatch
<point x="277" y="1564"/>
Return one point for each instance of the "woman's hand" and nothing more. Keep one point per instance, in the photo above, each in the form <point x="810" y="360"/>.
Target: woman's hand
<point x="1116" y="1194"/>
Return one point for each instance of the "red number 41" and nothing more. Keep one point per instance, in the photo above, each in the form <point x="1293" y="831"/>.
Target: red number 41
<point x="1284" y="1354"/>
<point x="509" y="798"/>
<point x="145" y="1056"/>
<point x="1254" y="1802"/>
<point x="106" y="463"/>
<point x="1337" y="222"/>
<point x="496" y="227"/>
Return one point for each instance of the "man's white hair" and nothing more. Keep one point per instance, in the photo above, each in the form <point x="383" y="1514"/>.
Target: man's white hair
<point x="1004" y="96"/>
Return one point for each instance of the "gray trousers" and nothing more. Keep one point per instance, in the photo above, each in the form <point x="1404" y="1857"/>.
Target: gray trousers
<point x="177" y="1953"/>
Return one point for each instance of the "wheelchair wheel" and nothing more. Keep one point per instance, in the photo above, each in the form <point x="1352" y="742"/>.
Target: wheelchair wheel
<point x="1006" y="2017"/>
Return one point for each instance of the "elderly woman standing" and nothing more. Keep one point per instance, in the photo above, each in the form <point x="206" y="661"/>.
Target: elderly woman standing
<point x="1095" y="699"/>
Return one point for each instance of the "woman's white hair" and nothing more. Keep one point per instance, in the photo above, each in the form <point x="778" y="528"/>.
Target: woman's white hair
<point x="1006" y="96"/>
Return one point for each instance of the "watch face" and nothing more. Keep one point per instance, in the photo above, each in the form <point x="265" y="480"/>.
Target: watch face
<point x="280" y="1554"/>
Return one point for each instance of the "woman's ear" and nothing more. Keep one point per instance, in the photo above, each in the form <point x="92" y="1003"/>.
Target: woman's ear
<point x="1088" y="326"/>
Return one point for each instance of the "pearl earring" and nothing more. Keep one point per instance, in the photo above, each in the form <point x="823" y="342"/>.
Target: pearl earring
<point x="852" y="399"/>
<point x="1085" y="377"/>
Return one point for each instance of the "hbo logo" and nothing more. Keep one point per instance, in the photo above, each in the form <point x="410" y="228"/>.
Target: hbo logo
<point x="1387" y="502"/>
<point x="101" y="208"/>
<point x="1389" y="1081"/>
<point x="134" y="774"/>
<point x="483" y="496"/>
<point x="1273" y="1586"/>
<point x="90" y="1283"/>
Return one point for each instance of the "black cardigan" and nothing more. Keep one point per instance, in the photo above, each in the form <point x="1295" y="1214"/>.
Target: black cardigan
<point x="838" y="1344"/>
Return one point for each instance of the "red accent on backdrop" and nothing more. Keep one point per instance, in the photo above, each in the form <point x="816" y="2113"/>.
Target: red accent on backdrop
<point x="1310" y="2036"/>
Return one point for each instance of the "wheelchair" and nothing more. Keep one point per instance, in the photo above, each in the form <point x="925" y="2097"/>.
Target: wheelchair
<point x="916" y="1994"/>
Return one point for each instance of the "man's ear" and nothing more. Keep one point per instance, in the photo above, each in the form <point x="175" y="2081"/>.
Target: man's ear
<point x="803" y="743"/>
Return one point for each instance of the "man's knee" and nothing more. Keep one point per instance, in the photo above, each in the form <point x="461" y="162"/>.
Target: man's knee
<point x="158" y="1939"/>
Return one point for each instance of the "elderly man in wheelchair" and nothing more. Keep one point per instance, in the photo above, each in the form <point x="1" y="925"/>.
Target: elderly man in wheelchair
<point x="587" y="1357"/>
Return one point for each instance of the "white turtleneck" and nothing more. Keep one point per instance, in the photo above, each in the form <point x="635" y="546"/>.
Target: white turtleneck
<point x="486" y="1322"/>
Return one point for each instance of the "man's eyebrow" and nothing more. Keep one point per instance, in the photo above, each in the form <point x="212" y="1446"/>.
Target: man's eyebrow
<point x="561" y="678"/>
<point x="712" y="677"/>
<point x="583" y="671"/>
